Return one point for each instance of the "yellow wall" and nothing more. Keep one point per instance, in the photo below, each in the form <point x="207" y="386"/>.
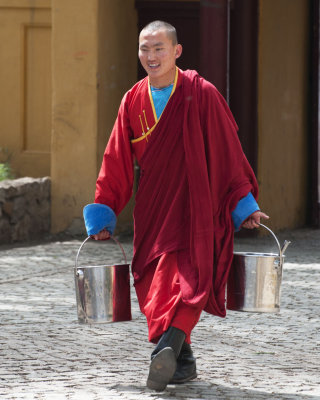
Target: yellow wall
<point x="25" y="82"/>
<point x="118" y="58"/>
<point x="282" y="111"/>
<point x="94" y="63"/>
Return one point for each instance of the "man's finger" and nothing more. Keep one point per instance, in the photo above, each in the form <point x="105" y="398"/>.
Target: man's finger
<point x="265" y="216"/>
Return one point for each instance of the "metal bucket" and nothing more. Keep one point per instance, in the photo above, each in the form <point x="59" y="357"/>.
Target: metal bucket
<point x="254" y="282"/>
<point x="102" y="291"/>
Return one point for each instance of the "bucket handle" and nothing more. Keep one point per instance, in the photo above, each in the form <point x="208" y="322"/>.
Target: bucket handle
<point x="275" y="238"/>
<point x="111" y="237"/>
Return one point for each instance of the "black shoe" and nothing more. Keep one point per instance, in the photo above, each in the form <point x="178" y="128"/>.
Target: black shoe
<point x="186" y="366"/>
<point x="164" y="359"/>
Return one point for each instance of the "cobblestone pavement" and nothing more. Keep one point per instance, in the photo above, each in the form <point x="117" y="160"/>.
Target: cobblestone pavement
<point x="46" y="354"/>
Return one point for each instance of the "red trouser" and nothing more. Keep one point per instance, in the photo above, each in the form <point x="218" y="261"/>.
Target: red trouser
<point x="160" y="299"/>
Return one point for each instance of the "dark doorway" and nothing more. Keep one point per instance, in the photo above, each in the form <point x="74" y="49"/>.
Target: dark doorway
<point x="314" y="165"/>
<point x="219" y="39"/>
<point x="243" y="75"/>
<point x="228" y="58"/>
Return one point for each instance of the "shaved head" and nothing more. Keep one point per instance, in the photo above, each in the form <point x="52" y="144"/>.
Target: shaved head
<point x="161" y="25"/>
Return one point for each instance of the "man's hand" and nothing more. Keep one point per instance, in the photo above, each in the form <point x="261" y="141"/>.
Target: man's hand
<point x="254" y="220"/>
<point x="102" y="235"/>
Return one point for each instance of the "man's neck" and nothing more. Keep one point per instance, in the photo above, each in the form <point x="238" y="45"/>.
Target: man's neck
<point x="164" y="81"/>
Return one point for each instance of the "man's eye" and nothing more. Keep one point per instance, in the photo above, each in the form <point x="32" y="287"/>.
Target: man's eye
<point x="159" y="49"/>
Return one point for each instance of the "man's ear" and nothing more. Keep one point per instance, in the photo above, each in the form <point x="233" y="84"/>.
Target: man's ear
<point x="178" y="50"/>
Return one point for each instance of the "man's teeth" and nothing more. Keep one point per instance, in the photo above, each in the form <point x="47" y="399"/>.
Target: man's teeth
<point x="153" y="65"/>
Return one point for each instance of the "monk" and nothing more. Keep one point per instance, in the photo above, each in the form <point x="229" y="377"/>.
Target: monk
<point x="196" y="188"/>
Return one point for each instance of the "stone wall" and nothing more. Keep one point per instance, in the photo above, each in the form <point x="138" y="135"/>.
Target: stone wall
<point x="24" y="209"/>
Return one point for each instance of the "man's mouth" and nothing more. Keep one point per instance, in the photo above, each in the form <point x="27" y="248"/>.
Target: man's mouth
<point x="153" y="66"/>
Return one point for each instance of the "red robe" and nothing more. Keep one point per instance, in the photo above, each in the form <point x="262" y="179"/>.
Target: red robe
<point x="193" y="173"/>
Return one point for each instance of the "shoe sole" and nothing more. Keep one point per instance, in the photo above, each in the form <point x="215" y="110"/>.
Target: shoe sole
<point x="162" y="369"/>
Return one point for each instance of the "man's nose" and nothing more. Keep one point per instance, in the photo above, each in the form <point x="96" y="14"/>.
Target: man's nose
<point x="151" y="55"/>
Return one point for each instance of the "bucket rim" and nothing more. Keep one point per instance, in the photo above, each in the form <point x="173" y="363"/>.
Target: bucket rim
<point x="256" y="254"/>
<point x="101" y="266"/>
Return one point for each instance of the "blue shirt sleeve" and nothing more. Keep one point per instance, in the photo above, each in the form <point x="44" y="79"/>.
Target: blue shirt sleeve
<point x="245" y="207"/>
<point x="97" y="217"/>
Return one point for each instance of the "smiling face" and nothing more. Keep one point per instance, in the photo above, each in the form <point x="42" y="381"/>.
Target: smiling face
<point x="158" y="55"/>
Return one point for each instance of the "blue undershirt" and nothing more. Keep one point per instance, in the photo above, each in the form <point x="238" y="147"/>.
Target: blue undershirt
<point x="160" y="98"/>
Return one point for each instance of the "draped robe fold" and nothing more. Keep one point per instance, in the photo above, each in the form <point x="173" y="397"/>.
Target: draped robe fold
<point x="193" y="172"/>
